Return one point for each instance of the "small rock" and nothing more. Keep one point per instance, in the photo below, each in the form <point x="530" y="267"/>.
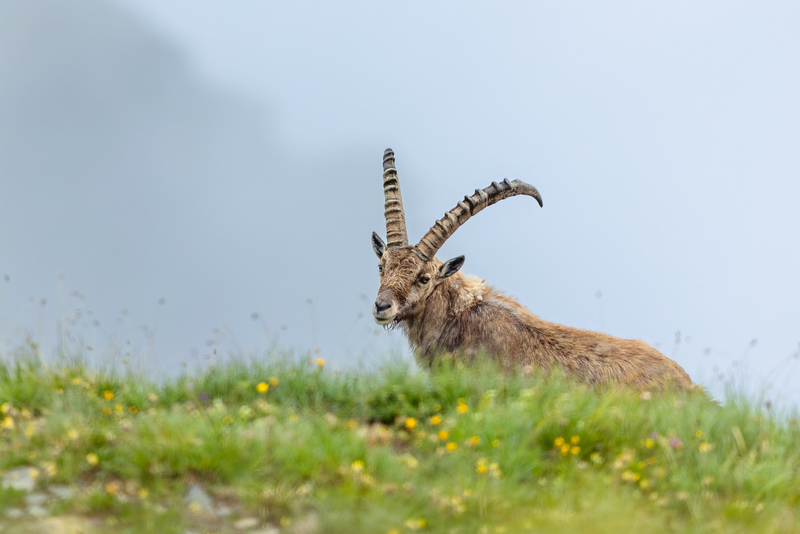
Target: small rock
<point x="62" y="492"/>
<point x="245" y="523"/>
<point x="20" y="478"/>
<point x="38" y="511"/>
<point x="224" y="511"/>
<point x="198" y="497"/>
<point x="306" y="525"/>
<point x="14" y="513"/>
<point x="62" y="525"/>
<point x="35" y="499"/>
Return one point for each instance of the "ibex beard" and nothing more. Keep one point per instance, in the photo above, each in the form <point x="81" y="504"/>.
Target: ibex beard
<point x="444" y="312"/>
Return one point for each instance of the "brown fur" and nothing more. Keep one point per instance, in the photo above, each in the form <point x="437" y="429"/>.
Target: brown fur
<point x="460" y="316"/>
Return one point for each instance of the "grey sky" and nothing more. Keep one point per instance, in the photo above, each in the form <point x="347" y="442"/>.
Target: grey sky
<point x="226" y="157"/>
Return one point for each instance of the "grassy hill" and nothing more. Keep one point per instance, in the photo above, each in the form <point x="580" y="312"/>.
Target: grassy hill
<point x="272" y="445"/>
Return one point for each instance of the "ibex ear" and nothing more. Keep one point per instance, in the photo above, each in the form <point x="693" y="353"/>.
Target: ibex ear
<point x="450" y="267"/>
<point x="378" y="245"/>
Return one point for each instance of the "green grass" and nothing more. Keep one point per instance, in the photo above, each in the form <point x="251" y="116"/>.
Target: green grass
<point x="398" y="450"/>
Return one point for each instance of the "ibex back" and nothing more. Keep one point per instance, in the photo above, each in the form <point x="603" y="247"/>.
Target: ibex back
<point x="446" y="313"/>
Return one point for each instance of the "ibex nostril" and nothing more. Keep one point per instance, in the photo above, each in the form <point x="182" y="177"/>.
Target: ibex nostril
<point x="381" y="306"/>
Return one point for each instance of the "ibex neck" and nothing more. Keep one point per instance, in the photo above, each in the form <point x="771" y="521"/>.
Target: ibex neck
<point x="462" y="292"/>
<point x="451" y="299"/>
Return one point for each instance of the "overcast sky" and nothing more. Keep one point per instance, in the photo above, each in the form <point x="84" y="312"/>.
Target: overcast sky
<point x="225" y="157"/>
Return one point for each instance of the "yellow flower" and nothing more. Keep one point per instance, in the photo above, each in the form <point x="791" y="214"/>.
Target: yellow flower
<point x="480" y="463"/>
<point x="119" y="408"/>
<point x="451" y="446"/>
<point x="76" y="381"/>
<point x="474" y="440"/>
<point x="7" y="423"/>
<point x="112" y="488"/>
<point x="30" y="430"/>
<point x="92" y="459"/>
<point x="462" y="408"/>
<point x="108" y="394"/>
<point x="143" y="493"/>
<point x="49" y="468"/>
<point x="262" y="387"/>
<point x="416" y="524"/>
<point x="565" y="449"/>
<point x="320" y="362"/>
<point x="106" y="410"/>
<point x="698" y="434"/>
<point x="558" y="442"/>
<point x="649" y="443"/>
<point x="443" y="435"/>
<point x="273" y="381"/>
<point x="644" y="483"/>
<point x="72" y="434"/>
<point x="706" y="446"/>
<point x="435" y="420"/>
<point x="494" y="470"/>
<point x="357" y="466"/>
<point x="352" y="423"/>
<point x="411" y="423"/>
<point x="575" y="440"/>
<point x="495" y="443"/>
<point x="575" y="450"/>
<point x="133" y="409"/>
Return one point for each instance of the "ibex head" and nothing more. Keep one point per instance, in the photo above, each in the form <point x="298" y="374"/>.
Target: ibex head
<point x="409" y="274"/>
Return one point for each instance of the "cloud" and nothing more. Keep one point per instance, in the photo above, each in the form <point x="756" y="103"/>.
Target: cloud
<point x="133" y="177"/>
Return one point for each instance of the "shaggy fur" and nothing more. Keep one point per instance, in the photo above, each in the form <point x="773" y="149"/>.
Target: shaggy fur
<point x="447" y="314"/>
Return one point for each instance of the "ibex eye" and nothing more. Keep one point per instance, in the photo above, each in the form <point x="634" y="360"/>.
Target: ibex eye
<point x="424" y="279"/>
<point x="380" y="268"/>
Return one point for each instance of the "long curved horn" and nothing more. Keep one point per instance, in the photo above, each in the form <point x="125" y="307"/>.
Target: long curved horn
<point x="453" y="219"/>
<point x="396" y="235"/>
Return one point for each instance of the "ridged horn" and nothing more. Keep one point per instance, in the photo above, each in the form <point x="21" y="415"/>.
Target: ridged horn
<point x="396" y="235"/>
<point x="453" y="219"/>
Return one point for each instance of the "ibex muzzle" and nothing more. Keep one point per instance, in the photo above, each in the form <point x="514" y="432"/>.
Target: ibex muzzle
<point x="443" y="311"/>
<point x="385" y="308"/>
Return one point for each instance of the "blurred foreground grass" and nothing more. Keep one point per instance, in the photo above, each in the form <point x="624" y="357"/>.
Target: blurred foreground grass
<point x="273" y="445"/>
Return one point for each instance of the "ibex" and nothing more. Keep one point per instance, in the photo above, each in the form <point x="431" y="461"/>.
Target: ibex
<point x="444" y="312"/>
